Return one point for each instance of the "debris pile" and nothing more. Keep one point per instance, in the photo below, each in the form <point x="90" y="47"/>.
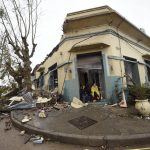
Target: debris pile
<point x="37" y="99"/>
<point x="35" y="139"/>
<point x="61" y="106"/>
<point x="76" y="103"/>
<point x="43" y="100"/>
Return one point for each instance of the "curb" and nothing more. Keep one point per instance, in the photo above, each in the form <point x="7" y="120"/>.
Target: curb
<point x="108" y="140"/>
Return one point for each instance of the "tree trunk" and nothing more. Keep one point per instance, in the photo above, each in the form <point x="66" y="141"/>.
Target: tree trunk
<point x="19" y="82"/>
<point x="27" y="75"/>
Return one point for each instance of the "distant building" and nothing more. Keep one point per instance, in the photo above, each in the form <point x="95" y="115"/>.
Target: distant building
<point x="98" y="45"/>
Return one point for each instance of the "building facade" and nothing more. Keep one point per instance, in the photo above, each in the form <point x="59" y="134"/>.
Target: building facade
<point x="98" y="45"/>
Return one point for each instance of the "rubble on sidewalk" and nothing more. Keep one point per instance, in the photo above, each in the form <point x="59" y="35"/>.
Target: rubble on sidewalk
<point x="36" y="98"/>
<point x="42" y="114"/>
<point x="61" y="106"/>
<point x="76" y="103"/>
<point x="43" y="100"/>
<point x="26" y="119"/>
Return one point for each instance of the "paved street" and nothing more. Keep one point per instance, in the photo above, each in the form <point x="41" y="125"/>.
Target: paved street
<point x="11" y="140"/>
<point x="94" y="125"/>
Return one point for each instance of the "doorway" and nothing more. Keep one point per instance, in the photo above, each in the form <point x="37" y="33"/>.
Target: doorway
<point x="90" y="70"/>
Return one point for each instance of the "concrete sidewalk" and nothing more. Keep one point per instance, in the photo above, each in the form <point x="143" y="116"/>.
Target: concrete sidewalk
<point x="114" y="126"/>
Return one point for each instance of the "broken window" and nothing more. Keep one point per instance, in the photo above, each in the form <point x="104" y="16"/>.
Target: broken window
<point x="53" y="78"/>
<point x="90" y="71"/>
<point x="131" y="71"/>
<point x="41" y="80"/>
<point x="148" y="69"/>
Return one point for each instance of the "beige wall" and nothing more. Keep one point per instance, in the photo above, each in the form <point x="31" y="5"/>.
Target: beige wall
<point x="86" y="30"/>
<point x="115" y="66"/>
<point x="127" y="49"/>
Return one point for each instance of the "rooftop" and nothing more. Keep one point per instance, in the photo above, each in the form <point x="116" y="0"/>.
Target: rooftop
<point x="103" y="16"/>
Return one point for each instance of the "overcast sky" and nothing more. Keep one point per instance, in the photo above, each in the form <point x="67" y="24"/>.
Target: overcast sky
<point x="53" y="13"/>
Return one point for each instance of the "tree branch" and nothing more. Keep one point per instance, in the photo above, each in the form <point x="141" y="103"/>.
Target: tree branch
<point x="33" y="50"/>
<point x="21" y="17"/>
<point x="9" y="21"/>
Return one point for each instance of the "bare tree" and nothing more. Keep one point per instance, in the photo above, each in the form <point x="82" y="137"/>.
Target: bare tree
<point x="19" y="25"/>
<point x="10" y="65"/>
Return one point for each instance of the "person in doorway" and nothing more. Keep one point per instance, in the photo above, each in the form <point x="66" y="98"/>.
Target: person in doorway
<point x="95" y="92"/>
<point x="84" y="94"/>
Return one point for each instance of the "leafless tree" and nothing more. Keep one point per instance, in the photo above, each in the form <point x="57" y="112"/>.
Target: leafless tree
<point x="19" y="26"/>
<point x="10" y="65"/>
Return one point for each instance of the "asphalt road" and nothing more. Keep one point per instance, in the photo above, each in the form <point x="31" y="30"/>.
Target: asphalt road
<point x="12" y="140"/>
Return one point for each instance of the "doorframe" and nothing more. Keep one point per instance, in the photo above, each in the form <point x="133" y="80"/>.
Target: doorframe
<point x="103" y="69"/>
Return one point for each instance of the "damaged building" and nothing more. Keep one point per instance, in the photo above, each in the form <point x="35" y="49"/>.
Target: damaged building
<point x="98" y="46"/>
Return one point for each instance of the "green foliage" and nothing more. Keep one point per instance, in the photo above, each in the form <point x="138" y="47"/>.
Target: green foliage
<point x="139" y="92"/>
